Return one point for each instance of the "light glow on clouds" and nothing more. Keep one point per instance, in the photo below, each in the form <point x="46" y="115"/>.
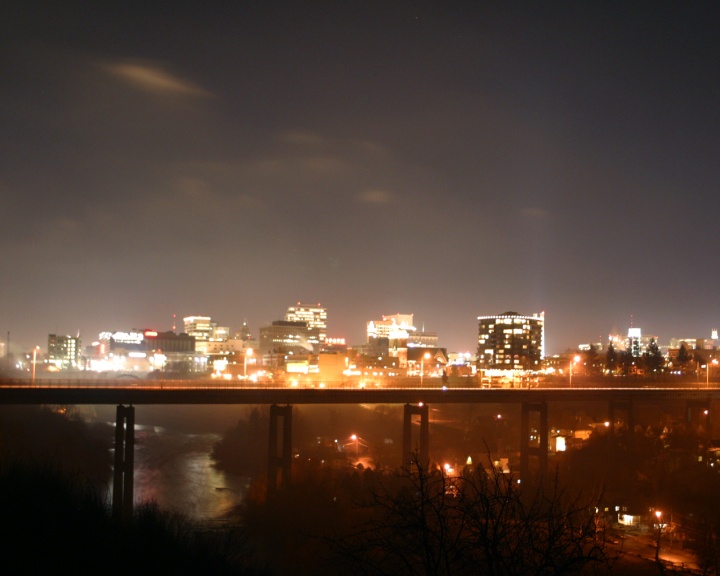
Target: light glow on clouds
<point x="155" y="79"/>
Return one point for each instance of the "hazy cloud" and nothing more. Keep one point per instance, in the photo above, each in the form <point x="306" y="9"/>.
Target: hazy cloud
<point x="154" y="79"/>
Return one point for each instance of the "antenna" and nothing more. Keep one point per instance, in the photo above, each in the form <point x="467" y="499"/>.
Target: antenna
<point x="173" y="324"/>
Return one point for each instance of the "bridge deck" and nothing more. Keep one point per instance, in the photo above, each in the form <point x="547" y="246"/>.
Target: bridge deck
<point x="213" y="392"/>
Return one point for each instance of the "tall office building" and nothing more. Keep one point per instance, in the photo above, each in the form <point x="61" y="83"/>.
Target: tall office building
<point x="314" y="316"/>
<point x="201" y="327"/>
<point x="63" y="351"/>
<point x="205" y="330"/>
<point x="511" y="341"/>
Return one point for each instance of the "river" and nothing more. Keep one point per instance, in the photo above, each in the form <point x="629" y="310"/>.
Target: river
<point x="173" y="467"/>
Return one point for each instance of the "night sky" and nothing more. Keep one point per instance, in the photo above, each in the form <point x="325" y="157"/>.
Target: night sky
<point x="446" y="159"/>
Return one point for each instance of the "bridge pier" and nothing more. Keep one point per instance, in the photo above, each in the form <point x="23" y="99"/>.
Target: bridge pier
<point x="423" y="451"/>
<point x="122" y="502"/>
<point x="279" y="447"/>
<point x="537" y="449"/>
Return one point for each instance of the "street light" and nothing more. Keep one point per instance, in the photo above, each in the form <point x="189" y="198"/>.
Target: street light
<point x="707" y="369"/>
<point x="248" y="352"/>
<point x="658" y="515"/>
<point x="424" y="357"/>
<point x="34" y="362"/>
<point x="356" y="439"/>
<point x="573" y="361"/>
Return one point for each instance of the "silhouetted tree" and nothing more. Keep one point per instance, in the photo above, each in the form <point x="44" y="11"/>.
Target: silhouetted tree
<point x="591" y="360"/>
<point x="653" y="358"/>
<point x="479" y="523"/>
<point x="683" y="357"/>
<point x="611" y="359"/>
<point x="626" y="362"/>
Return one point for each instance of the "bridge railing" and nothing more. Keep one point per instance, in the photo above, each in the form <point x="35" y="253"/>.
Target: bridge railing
<point x="209" y="383"/>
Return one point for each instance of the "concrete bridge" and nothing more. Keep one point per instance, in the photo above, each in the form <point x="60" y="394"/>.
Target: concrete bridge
<point x="533" y="402"/>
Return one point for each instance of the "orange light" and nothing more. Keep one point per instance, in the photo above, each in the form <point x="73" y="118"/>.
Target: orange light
<point x="150" y="333"/>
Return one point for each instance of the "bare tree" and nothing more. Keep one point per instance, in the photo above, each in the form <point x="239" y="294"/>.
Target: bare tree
<point x="481" y="522"/>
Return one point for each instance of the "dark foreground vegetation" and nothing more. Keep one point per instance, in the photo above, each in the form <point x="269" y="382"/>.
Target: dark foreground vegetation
<point x="56" y="523"/>
<point x="55" y="518"/>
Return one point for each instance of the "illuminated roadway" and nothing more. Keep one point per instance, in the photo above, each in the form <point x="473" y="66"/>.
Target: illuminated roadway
<point x="216" y="392"/>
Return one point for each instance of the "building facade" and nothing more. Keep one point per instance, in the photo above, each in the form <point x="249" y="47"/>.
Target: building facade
<point x="281" y="338"/>
<point x="394" y="327"/>
<point x="314" y="316"/>
<point x="511" y="341"/>
<point x="63" y="351"/>
<point x="205" y="330"/>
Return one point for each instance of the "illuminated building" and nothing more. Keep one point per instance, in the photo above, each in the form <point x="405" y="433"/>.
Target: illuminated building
<point x="63" y="351"/>
<point x="282" y="338"/>
<point x="201" y="327"/>
<point x="398" y="329"/>
<point x="423" y="339"/>
<point x="511" y="341"/>
<point x="395" y="327"/>
<point x="314" y="316"/>
<point x="146" y="350"/>
<point x="633" y="342"/>
<point x="205" y="330"/>
<point x="428" y="361"/>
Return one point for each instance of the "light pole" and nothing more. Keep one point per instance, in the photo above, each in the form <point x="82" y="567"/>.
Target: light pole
<point x="658" y="515"/>
<point x="424" y="357"/>
<point x="707" y="369"/>
<point x="34" y="362"/>
<point x="248" y="352"/>
<point x="356" y="439"/>
<point x="573" y="361"/>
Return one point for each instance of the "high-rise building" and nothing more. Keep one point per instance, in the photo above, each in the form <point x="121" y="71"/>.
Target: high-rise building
<point x="314" y="316"/>
<point x="63" y="351"/>
<point x="201" y="327"/>
<point x="511" y="341"/>
<point x="204" y="329"/>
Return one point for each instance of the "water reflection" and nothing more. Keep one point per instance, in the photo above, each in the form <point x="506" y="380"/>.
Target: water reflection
<point x="174" y="470"/>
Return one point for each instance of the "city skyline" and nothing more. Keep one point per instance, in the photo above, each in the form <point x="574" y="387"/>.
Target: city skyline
<point x="380" y="158"/>
<point x="235" y="330"/>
